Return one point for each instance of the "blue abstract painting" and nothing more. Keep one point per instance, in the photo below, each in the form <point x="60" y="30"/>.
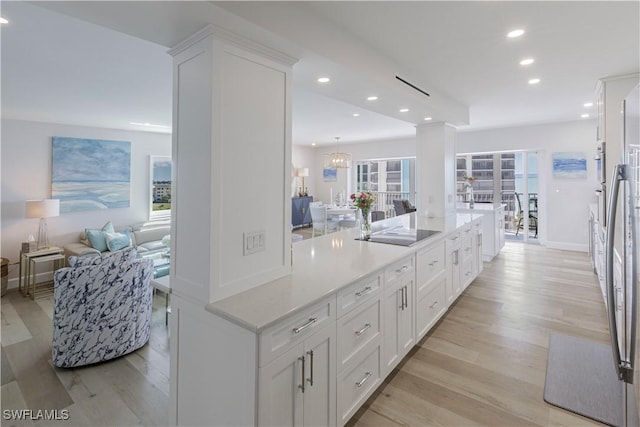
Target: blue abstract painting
<point x="569" y="165"/>
<point x="90" y="174"/>
<point x="330" y="175"/>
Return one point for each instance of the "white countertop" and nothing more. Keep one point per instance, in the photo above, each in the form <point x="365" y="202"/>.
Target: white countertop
<point x="322" y="266"/>
<point x="479" y="206"/>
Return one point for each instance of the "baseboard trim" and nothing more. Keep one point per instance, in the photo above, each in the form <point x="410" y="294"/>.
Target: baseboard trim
<point x="576" y="247"/>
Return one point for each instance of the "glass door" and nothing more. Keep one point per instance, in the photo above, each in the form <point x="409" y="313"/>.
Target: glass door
<point x="525" y="222"/>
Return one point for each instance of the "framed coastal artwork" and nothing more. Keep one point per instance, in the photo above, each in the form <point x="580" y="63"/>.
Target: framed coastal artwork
<point x="90" y="174"/>
<point x="160" y="184"/>
<point x="329" y="175"/>
<point x="569" y="165"/>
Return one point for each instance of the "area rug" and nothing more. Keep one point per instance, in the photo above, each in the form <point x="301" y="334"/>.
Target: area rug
<point x="581" y="378"/>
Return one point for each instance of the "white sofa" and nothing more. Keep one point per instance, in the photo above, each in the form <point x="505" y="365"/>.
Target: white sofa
<point x="145" y="237"/>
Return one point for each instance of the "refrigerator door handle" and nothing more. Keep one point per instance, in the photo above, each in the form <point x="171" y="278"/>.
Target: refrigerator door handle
<point x="623" y="370"/>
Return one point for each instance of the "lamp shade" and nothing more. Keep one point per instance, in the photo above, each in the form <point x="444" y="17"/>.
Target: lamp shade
<point x="302" y="172"/>
<point x="46" y="208"/>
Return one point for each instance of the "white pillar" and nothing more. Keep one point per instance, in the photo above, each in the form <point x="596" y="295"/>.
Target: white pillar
<point x="435" y="169"/>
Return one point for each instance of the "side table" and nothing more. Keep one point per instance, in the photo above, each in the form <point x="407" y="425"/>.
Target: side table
<point x="29" y="262"/>
<point x="163" y="285"/>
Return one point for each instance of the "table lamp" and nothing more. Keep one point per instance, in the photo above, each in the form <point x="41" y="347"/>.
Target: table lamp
<point x="302" y="172"/>
<point x="43" y="209"/>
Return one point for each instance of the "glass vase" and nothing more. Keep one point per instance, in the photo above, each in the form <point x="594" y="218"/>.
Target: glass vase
<point x="365" y="224"/>
<point x="471" y="201"/>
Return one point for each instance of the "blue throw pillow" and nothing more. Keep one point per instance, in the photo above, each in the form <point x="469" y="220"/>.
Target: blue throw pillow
<point x="98" y="238"/>
<point x="117" y="241"/>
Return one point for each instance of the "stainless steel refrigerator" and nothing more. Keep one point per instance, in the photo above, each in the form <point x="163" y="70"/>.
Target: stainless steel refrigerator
<point x="623" y="259"/>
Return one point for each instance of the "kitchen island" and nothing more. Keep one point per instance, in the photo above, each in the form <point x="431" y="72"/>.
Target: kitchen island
<point x="493" y="225"/>
<point x="311" y="347"/>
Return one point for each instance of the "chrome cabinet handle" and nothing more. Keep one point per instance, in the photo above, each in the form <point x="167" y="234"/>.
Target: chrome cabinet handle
<point x="301" y="386"/>
<point x="401" y="290"/>
<point x="364" y="380"/>
<point x="402" y="270"/>
<point x="310" y="353"/>
<point x="363" y="330"/>
<point x="406" y="297"/>
<point x="433" y="305"/>
<point x="299" y="329"/>
<point x="364" y="291"/>
<point x="433" y="263"/>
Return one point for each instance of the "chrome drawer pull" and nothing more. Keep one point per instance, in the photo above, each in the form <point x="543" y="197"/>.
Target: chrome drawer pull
<point x="433" y="263"/>
<point x="402" y="270"/>
<point x="299" y="329"/>
<point x="301" y="386"/>
<point x="364" y="291"/>
<point x="433" y="305"/>
<point x="364" y="380"/>
<point x="310" y="353"/>
<point x="363" y="330"/>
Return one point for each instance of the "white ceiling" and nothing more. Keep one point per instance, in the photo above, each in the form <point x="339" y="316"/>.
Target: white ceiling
<point x="62" y="69"/>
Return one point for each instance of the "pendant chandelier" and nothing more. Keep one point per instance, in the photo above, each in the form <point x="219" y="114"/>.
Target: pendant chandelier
<point x="337" y="160"/>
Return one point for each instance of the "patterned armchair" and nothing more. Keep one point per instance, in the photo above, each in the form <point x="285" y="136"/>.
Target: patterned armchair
<point x="102" y="308"/>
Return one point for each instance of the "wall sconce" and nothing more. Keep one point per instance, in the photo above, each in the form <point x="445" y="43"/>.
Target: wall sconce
<point x="43" y="209"/>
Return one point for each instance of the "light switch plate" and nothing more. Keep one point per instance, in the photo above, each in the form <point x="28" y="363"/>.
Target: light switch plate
<point x="253" y="242"/>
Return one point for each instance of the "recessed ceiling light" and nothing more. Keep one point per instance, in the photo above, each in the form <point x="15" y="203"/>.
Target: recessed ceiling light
<point x="356" y="115"/>
<point x="527" y="61"/>
<point x="3" y="20"/>
<point x="588" y="104"/>
<point x="515" y="33"/>
<point x="372" y="98"/>
<point x="584" y="116"/>
<point x="313" y="144"/>
<point x="534" y="81"/>
<point x="404" y="110"/>
<point x="324" y="80"/>
<point x="428" y="118"/>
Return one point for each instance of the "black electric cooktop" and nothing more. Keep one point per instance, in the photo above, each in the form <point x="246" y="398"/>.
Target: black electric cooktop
<point x="401" y="236"/>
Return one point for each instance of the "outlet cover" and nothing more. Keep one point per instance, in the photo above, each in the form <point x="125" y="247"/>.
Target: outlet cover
<point x="253" y="242"/>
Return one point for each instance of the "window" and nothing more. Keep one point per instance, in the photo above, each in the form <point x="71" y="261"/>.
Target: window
<point x="388" y="179"/>
<point x="160" y="187"/>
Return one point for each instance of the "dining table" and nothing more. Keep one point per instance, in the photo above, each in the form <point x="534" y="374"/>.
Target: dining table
<point x="341" y="210"/>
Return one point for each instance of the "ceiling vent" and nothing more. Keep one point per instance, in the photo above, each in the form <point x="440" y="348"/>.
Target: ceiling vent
<point x="412" y="86"/>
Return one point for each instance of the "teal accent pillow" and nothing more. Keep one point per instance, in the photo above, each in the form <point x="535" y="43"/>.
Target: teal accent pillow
<point x="98" y="238"/>
<point x="117" y="241"/>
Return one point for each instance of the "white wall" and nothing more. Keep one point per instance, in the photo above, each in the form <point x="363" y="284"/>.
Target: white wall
<point x="563" y="203"/>
<point x="26" y="174"/>
<point x="361" y="151"/>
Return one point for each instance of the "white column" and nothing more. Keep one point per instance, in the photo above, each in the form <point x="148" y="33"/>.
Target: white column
<point x="435" y="169"/>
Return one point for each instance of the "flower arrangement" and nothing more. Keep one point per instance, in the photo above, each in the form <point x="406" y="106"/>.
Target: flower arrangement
<point x="363" y="200"/>
<point x="470" y="180"/>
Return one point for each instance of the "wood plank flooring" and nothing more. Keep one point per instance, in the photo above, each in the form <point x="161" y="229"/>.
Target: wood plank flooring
<point x="483" y="364"/>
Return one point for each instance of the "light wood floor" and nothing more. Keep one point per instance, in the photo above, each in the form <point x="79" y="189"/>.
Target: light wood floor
<point x="485" y="361"/>
<point x="483" y="364"/>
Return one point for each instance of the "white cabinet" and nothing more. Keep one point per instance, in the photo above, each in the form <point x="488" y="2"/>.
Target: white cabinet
<point x="467" y="251"/>
<point x="398" y="312"/>
<point x="477" y="236"/>
<point x="360" y="330"/>
<point x="454" y="288"/>
<point x="298" y="387"/>
<point x="431" y="282"/>
<point x="493" y="224"/>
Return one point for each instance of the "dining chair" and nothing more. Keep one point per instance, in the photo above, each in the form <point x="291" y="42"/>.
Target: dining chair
<point x="320" y="221"/>
<point x="533" y="219"/>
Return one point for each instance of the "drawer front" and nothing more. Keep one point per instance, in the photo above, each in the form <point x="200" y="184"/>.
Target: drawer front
<point x="466" y="273"/>
<point x="356" y="330"/>
<point x="453" y="241"/>
<point x="465" y="230"/>
<point x="358" y="293"/>
<point x="430" y="305"/>
<point x="356" y="385"/>
<point x="277" y="339"/>
<point x="430" y="263"/>
<point x="399" y="269"/>
<point x="466" y="248"/>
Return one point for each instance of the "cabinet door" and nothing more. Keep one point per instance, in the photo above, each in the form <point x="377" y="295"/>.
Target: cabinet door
<point x="399" y="324"/>
<point x="280" y="397"/>
<point x="499" y="239"/>
<point x="478" y="254"/>
<point x="454" y="287"/>
<point x="320" y="378"/>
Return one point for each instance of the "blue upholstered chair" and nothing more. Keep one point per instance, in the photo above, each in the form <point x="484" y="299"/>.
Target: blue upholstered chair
<point x="102" y="308"/>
